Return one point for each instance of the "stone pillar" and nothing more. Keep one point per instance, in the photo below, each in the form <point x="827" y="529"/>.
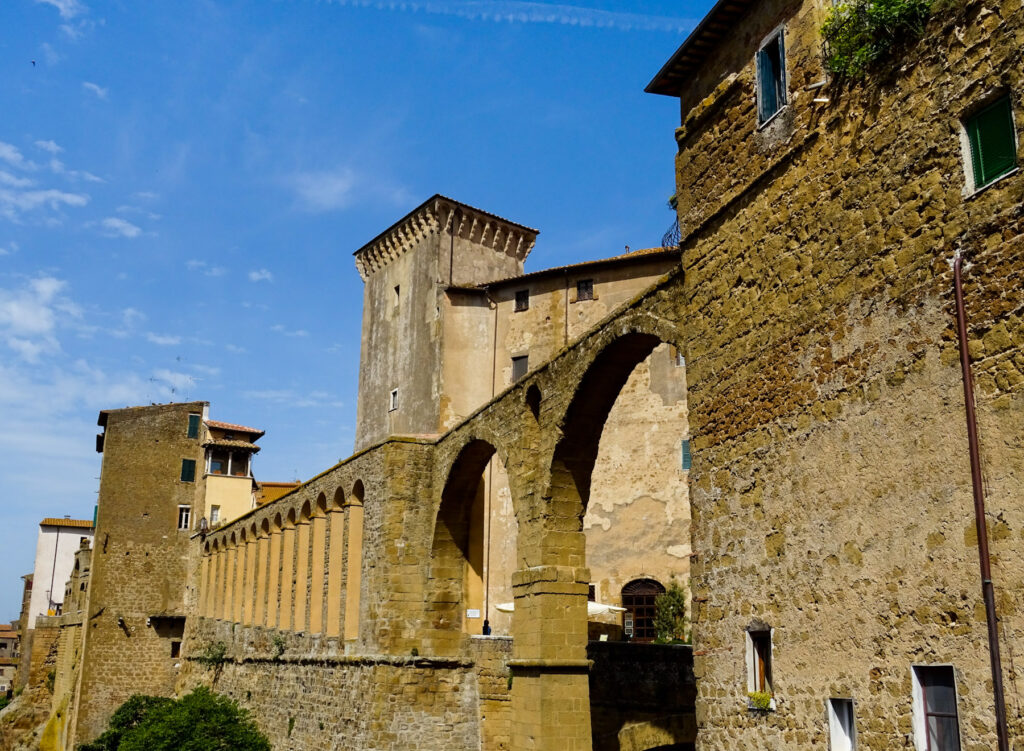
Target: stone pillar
<point x="249" y="596"/>
<point x="287" y="579"/>
<point x="273" y="579"/>
<point x="238" y="591"/>
<point x="354" y="570"/>
<point x="204" y="582"/>
<point x="262" y="565"/>
<point x="550" y="686"/>
<point x="316" y="577"/>
<point x="228" y="609"/>
<point x="301" y="573"/>
<point x="335" y="572"/>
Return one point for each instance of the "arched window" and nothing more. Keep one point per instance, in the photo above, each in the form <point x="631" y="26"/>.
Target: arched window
<point x="638" y="599"/>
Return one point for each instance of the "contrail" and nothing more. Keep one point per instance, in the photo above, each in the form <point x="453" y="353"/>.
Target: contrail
<point x="514" y="11"/>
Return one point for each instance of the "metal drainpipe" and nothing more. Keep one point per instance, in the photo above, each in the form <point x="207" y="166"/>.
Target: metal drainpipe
<point x="979" y="509"/>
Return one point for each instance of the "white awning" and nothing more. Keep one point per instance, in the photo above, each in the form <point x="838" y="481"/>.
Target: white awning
<point x="593" y="608"/>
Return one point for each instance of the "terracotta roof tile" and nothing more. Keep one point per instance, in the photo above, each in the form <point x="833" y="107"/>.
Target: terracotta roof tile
<point x="54" y="522"/>
<point x="232" y="426"/>
<point x="583" y="264"/>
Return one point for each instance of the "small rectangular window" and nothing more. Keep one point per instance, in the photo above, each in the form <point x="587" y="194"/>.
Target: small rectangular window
<point x="687" y="457"/>
<point x="677" y="357"/>
<point x="771" y="78"/>
<point x="585" y="289"/>
<point x="175" y="649"/>
<point x="398" y="294"/>
<point x="522" y="300"/>
<point x="393" y="401"/>
<point x="936" y="724"/>
<point x="193" y="426"/>
<point x="214" y="514"/>
<point x="759" y="661"/>
<point x="993" y="143"/>
<point x="591" y="593"/>
<point x="519" y="367"/>
<point x="842" y="732"/>
<point x="184" y="517"/>
<point x="188" y="470"/>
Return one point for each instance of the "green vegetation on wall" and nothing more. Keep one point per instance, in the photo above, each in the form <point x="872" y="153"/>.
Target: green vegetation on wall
<point x="860" y="33"/>
<point x="200" y="721"/>
<point x="670" y="623"/>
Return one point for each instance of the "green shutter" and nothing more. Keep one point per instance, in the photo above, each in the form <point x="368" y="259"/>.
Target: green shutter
<point x="687" y="459"/>
<point x="193" y="426"/>
<point x="188" y="470"/>
<point x="993" y="146"/>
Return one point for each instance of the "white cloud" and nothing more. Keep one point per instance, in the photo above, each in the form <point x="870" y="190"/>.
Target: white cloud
<point x="57" y="167"/>
<point x="127" y="209"/>
<point x="293" y="399"/>
<point x="163" y="340"/>
<point x="261" y="275"/>
<point x="29" y="316"/>
<point x="95" y="89"/>
<point x="325" y="191"/>
<point x="205" y="268"/>
<point x="280" y="329"/>
<point x="50" y="146"/>
<point x="11" y="155"/>
<point x="235" y="349"/>
<point x="6" y="178"/>
<point x="51" y="55"/>
<point x="116" y="227"/>
<point x="12" y="247"/>
<point x="146" y="195"/>
<point x="15" y="203"/>
<point x="178" y="383"/>
<point x="512" y="11"/>
<point x="67" y="8"/>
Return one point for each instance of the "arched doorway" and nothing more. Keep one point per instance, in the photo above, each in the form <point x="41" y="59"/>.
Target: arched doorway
<point x="639" y="598"/>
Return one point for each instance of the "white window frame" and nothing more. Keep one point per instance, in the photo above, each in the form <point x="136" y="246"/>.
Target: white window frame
<point x="214" y="514"/>
<point x="917" y="694"/>
<point x="971" y="188"/>
<point x="187" y="516"/>
<point x="841" y="736"/>
<point x="752" y="661"/>
<point x="393" y="400"/>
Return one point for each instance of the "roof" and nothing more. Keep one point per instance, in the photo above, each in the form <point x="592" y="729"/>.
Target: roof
<point x="612" y="261"/>
<point x="460" y="204"/>
<point x="54" y="522"/>
<point x="228" y="426"/>
<point x="231" y="443"/>
<point x="716" y="25"/>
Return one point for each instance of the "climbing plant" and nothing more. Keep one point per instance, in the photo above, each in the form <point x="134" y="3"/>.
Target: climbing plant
<point x="860" y="33"/>
<point x="670" y="622"/>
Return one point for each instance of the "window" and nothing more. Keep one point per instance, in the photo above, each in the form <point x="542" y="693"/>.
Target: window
<point x="193" y="426"/>
<point x="585" y="289"/>
<point x="175" y="649"/>
<point x="214" y="514"/>
<point x="936" y="726"/>
<point x="771" y="78"/>
<point x="398" y="294"/>
<point x="239" y="464"/>
<point x="841" y="729"/>
<point x="184" y="517"/>
<point x="591" y="593"/>
<point x="393" y="401"/>
<point x="522" y="300"/>
<point x="188" y="470"/>
<point x="519" y="367"/>
<point x="678" y="358"/>
<point x="638" y="599"/>
<point x="992" y="142"/>
<point x="759" y="661"/>
<point x="217" y="462"/>
<point x="687" y="457"/>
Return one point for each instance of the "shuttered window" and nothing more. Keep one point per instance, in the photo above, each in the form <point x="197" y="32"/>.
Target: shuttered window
<point x="193" y="426"/>
<point x="993" y="146"/>
<point x="687" y="458"/>
<point x="771" y="78"/>
<point x="188" y="470"/>
<point x="520" y="366"/>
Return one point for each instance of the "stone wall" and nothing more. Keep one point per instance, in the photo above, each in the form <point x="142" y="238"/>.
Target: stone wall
<point x="830" y="486"/>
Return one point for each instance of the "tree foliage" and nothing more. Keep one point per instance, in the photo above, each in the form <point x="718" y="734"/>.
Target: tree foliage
<point x="200" y="721"/>
<point x="859" y="33"/>
<point x="670" y="623"/>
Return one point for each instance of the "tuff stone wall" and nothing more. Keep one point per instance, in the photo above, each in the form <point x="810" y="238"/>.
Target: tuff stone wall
<point x="830" y="484"/>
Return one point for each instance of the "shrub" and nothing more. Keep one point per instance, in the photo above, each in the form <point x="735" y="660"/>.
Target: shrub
<point x="670" y="622"/>
<point x="760" y="700"/>
<point x="859" y="33"/>
<point x="200" y="721"/>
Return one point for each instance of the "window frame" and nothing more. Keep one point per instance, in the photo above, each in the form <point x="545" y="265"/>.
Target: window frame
<point x="920" y="709"/>
<point x="760" y="651"/>
<point x="585" y="284"/>
<point x="837" y="731"/>
<point x="782" y="84"/>
<point x="194" y="422"/>
<point x="637" y="610"/>
<point x="972" y="186"/>
<point x="522" y="301"/>
<point x="393" y="400"/>
<point x="184" y="512"/>
<point x="518" y="361"/>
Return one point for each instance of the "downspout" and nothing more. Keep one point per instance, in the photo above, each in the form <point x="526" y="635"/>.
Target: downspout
<point x="456" y="214"/>
<point x="979" y="509"/>
<point x="53" y="573"/>
<point x="490" y="479"/>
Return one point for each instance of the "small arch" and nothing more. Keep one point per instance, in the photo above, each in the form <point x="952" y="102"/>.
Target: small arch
<point x="639" y="598"/>
<point x="265" y="528"/>
<point x="358" y="492"/>
<point x="339" y="498"/>
<point x="253" y="531"/>
<point x="278" y="523"/>
<point x="291" y="517"/>
<point x="305" y="513"/>
<point x="321" y="505"/>
<point x="206" y="551"/>
<point x="532" y="400"/>
<point x="216" y="545"/>
<point x="234" y="540"/>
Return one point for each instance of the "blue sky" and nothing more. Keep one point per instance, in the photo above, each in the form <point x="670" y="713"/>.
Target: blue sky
<point x="182" y="186"/>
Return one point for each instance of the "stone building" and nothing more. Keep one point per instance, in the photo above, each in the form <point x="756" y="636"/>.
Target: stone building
<point x="833" y="543"/>
<point x="9" y="657"/>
